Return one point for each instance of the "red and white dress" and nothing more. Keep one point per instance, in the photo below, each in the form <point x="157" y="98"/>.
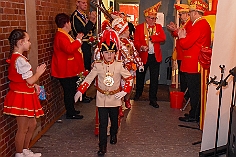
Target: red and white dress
<point x="21" y="100"/>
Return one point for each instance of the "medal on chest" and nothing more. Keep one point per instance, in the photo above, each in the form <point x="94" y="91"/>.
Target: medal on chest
<point x="108" y="79"/>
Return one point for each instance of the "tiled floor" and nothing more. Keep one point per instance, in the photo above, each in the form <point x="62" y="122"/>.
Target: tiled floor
<point x="144" y="132"/>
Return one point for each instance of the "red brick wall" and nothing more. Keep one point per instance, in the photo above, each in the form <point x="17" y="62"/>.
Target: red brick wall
<point x="45" y="13"/>
<point x="12" y="16"/>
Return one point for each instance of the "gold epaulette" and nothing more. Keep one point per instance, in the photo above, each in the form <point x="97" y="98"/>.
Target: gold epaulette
<point x="98" y="61"/>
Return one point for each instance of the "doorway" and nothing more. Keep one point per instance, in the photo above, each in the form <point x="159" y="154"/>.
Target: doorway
<point x="132" y="10"/>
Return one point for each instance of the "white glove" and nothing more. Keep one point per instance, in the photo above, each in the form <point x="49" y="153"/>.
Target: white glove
<point x="120" y="95"/>
<point x="141" y="68"/>
<point x="77" y="96"/>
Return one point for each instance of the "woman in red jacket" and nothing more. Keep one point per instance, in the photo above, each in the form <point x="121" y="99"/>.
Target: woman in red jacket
<point x="67" y="62"/>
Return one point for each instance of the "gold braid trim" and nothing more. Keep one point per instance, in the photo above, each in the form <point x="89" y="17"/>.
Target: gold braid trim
<point x="106" y="92"/>
<point x="79" y="19"/>
<point x="113" y="46"/>
<point x="103" y="44"/>
<point x="183" y="25"/>
<point x="146" y="32"/>
<point x="24" y="92"/>
<point x="64" y="32"/>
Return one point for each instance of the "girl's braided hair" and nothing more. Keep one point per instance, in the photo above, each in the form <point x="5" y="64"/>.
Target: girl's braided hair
<point x="15" y="36"/>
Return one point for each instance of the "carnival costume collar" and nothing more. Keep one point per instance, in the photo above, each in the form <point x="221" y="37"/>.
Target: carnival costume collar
<point x="66" y="33"/>
<point x="108" y="63"/>
<point x="70" y="38"/>
<point x="198" y="19"/>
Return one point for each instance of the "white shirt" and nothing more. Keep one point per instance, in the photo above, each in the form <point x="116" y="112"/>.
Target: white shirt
<point x="23" y="67"/>
<point x="150" y="46"/>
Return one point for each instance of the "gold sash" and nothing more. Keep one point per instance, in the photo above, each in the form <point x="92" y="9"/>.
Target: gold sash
<point x="148" y="32"/>
<point x="71" y="39"/>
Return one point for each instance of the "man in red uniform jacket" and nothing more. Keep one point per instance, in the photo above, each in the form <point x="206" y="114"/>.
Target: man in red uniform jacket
<point x="186" y="23"/>
<point x="199" y="36"/>
<point x="147" y="39"/>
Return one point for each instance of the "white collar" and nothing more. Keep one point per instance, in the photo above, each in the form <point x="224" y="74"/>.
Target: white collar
<point x="196" y="20"/>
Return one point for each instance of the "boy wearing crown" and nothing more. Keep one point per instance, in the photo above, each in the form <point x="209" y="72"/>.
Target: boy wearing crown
<point x="192" y="42"/>
<point x="186" y="23"/>
<point x="109" y="93"/>
<point x="147" y="39"/>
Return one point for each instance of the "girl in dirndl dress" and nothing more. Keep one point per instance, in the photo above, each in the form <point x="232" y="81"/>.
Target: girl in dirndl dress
<point x="22" y="100"/>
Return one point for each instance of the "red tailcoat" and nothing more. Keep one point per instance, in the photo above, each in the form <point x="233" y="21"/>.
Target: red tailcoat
<point x="187" y="25"/>
<point x="198" y="36"/>
<point x="139" y="40"/>
<point x="67" y="60"/>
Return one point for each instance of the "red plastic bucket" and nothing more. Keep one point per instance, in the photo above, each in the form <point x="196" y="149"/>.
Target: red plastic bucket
<point x="176" y="99"/>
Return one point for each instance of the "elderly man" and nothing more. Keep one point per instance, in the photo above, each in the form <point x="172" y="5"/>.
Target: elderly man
<point x="186" y="23"/>
<point x="199" y="36"/>
<point x="147" y="39"/>
<point x="80" y="23"/>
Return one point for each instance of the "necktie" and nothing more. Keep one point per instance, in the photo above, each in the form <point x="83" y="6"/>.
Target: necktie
<point x="83" y="16"/>
<point x="150" y="30"/>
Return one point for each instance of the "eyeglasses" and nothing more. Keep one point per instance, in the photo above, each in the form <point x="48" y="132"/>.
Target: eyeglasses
<point x="152" y="18"/>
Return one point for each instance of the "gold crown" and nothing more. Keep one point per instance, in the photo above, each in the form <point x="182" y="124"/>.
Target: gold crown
<point x="182" y="7"/>
<point x="152" y="10"/>
<point x="198" y="5"/>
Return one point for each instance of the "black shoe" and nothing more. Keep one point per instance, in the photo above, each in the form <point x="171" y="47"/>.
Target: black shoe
<point x="188" y="119"/>
<point x="186" y="115"/>
<point x="77" y="112"/>
<point x="102" y="150"/>
<point x="136" y="97"/>
<point x="154" y="104"/>
<point x="74" y="117"/>
<point x="86" y="99"/>
<point x="113" y="139"/>
<point x="90" y="98"/>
